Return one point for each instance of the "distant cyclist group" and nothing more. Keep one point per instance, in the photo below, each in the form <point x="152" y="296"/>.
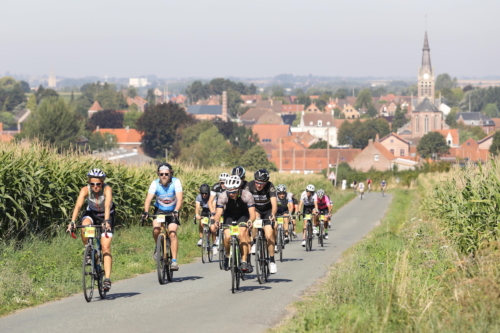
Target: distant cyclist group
<point x="259" y="216"/>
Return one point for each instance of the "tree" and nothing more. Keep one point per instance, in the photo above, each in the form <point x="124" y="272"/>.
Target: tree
<point x="256" y="158"/>
<point x="399" y="119"/>
<point x="211" y="149"/>
<point x="7" y="119"/>
<point x="42" y="93"/>
<point x="372" y="112"/>
<point x="432" y="144"/>
<point x="31" y="105"/>
<point x="495" y="145"/>
<point x="490" y="110"/>
<point x="340" y="93"/>
<point x="364" y="99"/>
<point x="25" y="86"/>
<point x="131" y="92"/>
<point x="105" y="119"/>
<point x="11" y="93"/>
<point x="304" y="99"/>
<point x="319" y="145"/>
<point x="445" y="81"/>
<point x="159" y="124"/>
<point x="53" y="122"/>
<point x="130" y="118"/>
<point x="102" y="142"/>
<point x="233" y="102"/>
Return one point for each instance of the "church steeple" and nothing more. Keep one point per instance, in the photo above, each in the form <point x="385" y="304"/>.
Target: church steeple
<point x="426" y="74"/>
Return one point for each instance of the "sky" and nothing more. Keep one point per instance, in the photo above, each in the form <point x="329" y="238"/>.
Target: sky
<point x="260" y="38"/>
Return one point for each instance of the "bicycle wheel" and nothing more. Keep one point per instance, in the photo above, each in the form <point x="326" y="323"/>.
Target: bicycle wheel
<point x="209" y="246"/>
<point x="100" y="278"/>
<point x="309" y="236"/>
<point x="88" y="274"/>
<point x="160" y="259"/>
<point x="258" y="260"/>
<point x="281" y="244"/>
<point x="232" y="262"/>
<point x="168" y="261"/>
<point x="290" y="231"/>
<point x="265" y="262"/>
<point x="321" y="233"/>
<point x="237" y="259"/>
<point x="204" y="247"/>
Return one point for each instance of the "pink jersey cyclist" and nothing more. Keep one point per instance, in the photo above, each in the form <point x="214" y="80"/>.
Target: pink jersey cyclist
<point x="323" y="203"/>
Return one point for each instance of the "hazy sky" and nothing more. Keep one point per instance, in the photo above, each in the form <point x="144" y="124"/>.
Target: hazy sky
<point x="248" y="38"/>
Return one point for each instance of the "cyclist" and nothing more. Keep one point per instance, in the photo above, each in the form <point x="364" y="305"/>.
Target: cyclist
<point x="285" y="206"/>
<point x="202" y="210"/>
<point x="369" y="184"/>
<point x="306" y="205"/>
<point x="361" y="189"/>
<point x="216" y="190"/>
<point x="100" y="210"/>
<point x="383" y="185"/>
<point x="324" y="205"/>
<point x="237" y="207"/>
<point x="354" y="185"/>
<point x="169" y="197"/>
<point x="266" y="207"/>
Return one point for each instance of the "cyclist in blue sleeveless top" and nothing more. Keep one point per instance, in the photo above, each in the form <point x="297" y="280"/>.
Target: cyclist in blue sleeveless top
<point x="168" y="192"/>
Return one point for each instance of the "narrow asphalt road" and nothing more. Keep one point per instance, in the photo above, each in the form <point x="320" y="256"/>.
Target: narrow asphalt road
<point x="199" y="298"/>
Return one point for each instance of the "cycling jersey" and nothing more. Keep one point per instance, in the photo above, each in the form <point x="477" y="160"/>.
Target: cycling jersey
<point x="361" y="188"/>
<point x="324" y="202"/>
<point x="238" y="207"/>
<point x="203" y="204"/>
<point x="263" y="197"/>
<point x="382" y="184"/>
<point x="308" y="201"/>
<point x="283" y="203"/>
<point x="165" y="195"/>
<point x="95" y="208"/>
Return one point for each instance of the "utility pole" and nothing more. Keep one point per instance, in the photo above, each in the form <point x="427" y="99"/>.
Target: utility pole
<point x="328" y="151"/>
<point x="337" y="168"/>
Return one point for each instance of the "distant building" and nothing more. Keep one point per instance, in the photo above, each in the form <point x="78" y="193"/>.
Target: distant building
<point x="96" y="107"/>
<point x="138" y="82"/>
<point x="128" y="138"/>
<point x="320" y="125"/>
<point x="209" y="112"/>
<point x="52" y="80"/>
<point x="126" y="156"/>
<point x="476" y="119"/>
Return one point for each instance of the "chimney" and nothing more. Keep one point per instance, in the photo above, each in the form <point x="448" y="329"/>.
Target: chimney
<point x="128" y="129"/>
<point x="377" y="138"/>
<point x="224" y="106"/>
<point x="97" y="128"/>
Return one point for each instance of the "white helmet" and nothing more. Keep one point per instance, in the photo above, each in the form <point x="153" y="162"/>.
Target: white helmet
<point x="223" y="176"/>
<point x="233" y="182"/>
<point x="97" y="173"/>
<point x="310" y="188"/>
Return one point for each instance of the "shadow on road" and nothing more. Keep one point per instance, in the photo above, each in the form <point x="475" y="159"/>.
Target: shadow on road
<point x="119" y="295"/>
<point x="292" y="259"/>
<point x="271" y="280"/>
<point x="252" y="288"/>
<point x="187" y="278"/>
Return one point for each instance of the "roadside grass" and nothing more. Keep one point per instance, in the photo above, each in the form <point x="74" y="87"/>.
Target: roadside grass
<point x="404" y="277"/>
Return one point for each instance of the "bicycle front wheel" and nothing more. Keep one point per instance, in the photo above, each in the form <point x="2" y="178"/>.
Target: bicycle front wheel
<point x="290" y="231"/>
<point x="160" y="259"/>
<point x="281" y="243"/>
<point x="321" y="233"/>
<point x="100" y="278"/>
<point x="204" y="247"/>
<point x="309" y="236"/>
<point x="258" y="260"/>
<point x="168" y="261"/>
<point x="265" y="262"/>
<point x="209" y="246"/>
<point x="232" y="262"/>
<point x="88" y="274"/>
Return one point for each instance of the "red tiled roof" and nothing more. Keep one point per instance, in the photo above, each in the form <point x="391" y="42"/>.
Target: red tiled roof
<point x="339" y="122"/>
<point x="315" y="159"/>
<point x="486" y="138"/>
<point x="453" y="132"/>
<point x="470" y="143"/>
<point x="123" y="135"/>
<point x="271" y="132"/>
<point x="96" y="107"/>
<point x="384" y="151"/>
<point x="292" y="108"/>
<point x="396" y="136"/>
<point x="497" y="122"/>
<point x="6" y="138"/>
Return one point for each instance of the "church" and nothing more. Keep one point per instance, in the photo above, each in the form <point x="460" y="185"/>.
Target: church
<point x="425" y="116"/>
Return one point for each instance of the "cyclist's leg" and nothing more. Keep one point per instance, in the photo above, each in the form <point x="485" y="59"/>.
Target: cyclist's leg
<point x="227" y="235"/>
<point x="106" y="254"/>
<point x="200" y="228"/>
<point x="285" y="225"/>
<point x="172" y="233"/>
<point x="243" y="236"/>
<point x="86" y="220"/>
<point x="156" y="226"/>
<point x="269" y="232"/>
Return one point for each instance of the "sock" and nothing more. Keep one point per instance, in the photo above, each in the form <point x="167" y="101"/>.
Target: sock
<point x="271" y="259"/>
<point x="174" y="260"/>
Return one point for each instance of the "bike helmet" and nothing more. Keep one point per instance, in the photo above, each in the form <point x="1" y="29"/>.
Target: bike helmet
<point x="233" y="182"/>
<point x="310" y="188"/>
<point x="320" y="193"/>
<point x="383" y="181"/>
<point x="261" y="175"/>
<point x="223" y="176"/>
<point x="204" y="189"/>
<point x="238" y="171"/>
<point x="165" y="166"/>
<point x="97" y="173"/>
<point x="281" y="188"/>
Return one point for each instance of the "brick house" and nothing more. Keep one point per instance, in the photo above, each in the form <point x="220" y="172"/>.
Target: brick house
<point x="127" y="138"/>
<point x="476" y="119"/>
<point x="313" y="108"/>
<point x="292" y="108"/>
<point x="209" y="112"/>
<point x="320" y="125"/>
<point x="396" y="145"/>
<point x="96" y="107"/>
<point x="350" y="112"/>
<point x="486" y="142"/>
<point x="451" y="136"/>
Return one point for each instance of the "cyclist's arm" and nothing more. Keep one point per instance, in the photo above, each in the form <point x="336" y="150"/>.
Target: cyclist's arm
<point x="212" y="205"/>
<point x="251" y="211"/>
<point x="84" y="192"/>
<point x="301" y="203"/>
<point x="290" y="207"/>
<point x="180" y="198"/>
<point x="316" y="205"/>
<point x="274" y="203"/>
<point x="108" y="192"/>
<point x="147" y="203"/>
<point x="197" y="210"/>
<point x="218" y="214"/>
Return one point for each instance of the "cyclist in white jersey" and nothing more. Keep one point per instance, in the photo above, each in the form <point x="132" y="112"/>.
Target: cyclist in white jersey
<point x="100" y="210"/>
<point x="306" y="205"/>
<point x="169" y="197"/>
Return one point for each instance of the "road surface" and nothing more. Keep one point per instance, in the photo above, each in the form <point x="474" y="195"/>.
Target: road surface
<point x="199" y="298"/>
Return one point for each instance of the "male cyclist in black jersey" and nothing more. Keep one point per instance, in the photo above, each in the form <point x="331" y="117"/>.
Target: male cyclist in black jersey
<point x="285" y="207"/>
<point x="201" y="211"/>
<point x="238" y="207"/>
<point x="266" y="207"/>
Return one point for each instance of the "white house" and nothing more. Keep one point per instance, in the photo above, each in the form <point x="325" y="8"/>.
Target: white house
<point x="319" y="125"/>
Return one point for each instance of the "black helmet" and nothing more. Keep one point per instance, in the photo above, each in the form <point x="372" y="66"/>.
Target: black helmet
<point x="238" y="171"/>
<point x="204" y="189"/>
<point x="261" y="175"/>
<point x="165" y="166"/>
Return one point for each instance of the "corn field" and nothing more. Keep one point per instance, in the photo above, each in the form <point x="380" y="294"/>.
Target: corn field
<point x="39" y="187"/>
<point x="467" y="202"/>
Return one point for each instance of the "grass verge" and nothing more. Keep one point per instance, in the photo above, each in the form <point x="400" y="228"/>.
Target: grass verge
<point x="404" y="277"/>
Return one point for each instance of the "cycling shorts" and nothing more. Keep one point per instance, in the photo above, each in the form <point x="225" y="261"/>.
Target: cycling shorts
<point x="307" y="209"/>
<point x="240" y="220"/>
<point x="98" y="218"/>
<point x="264" y="216"/>
<point x="168" y="219"/>
<point x="323" y="211"/>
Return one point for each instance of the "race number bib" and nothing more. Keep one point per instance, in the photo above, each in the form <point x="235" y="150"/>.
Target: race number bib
<point x="234" y="230"/>
<point x="160" y="218"/>
<point x="279" y="220"/>
<point x="204" y="220"/>
<point x="257" y="224"/>
<point x="90" y="232"/>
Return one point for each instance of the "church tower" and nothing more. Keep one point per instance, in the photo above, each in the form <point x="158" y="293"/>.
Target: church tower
<point x="426" y="75"/>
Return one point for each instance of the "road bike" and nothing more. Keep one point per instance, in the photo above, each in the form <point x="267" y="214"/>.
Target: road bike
<point x="280" y="235"/>
<point x="383" y="191"/>
<point x="92" y="271"/>
<point x="206" y="245"/>
<point x="361" y="194"/>
<point x="321" y="234"/>
<point x="222" y="250"/>
<point x="163" y="251"/>
<point x="290" y="227"/>
<point x="369" y="187"/>
<point x="309" y="231"/>
<point x="235" y="258"/>
<point x="261" y="252"/>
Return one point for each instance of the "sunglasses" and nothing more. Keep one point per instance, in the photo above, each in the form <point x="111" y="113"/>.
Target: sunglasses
<point x="232" y="192"/>
<point x="95" y="184"/>
<point x="260" y="183"/>
<point x="164" y="174"/>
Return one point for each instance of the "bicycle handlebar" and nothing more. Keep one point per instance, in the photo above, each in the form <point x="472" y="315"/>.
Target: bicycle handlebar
<point x="99" y="226"/>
